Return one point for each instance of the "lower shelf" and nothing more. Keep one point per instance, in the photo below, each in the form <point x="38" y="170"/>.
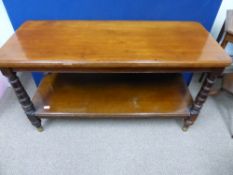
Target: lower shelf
<point x="112" y="95"/>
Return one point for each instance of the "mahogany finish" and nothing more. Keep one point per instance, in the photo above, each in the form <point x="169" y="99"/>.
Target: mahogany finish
<point x="112" y="95"/>
<point x="112" y="45"/>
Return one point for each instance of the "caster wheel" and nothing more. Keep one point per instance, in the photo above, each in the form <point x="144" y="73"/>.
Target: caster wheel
<point x="40" y="129"/>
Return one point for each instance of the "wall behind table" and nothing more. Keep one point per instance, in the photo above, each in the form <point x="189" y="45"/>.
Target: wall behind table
<point x="6" y="30"/>
<point x="203" y="11"/>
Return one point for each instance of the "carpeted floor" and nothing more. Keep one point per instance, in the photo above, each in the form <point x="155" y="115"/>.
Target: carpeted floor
<point x="120" y="147"/>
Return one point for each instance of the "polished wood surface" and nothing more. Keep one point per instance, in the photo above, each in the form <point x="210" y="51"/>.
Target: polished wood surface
<point x="112" y="95"/>
<point x="87" y="45"/>
<point x="112" y="46"/>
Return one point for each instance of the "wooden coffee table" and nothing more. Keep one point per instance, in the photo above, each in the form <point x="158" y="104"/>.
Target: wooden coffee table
<point x="118" y="69"/>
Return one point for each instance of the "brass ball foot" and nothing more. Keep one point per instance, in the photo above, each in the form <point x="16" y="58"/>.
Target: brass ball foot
<point x="40" y="129"/>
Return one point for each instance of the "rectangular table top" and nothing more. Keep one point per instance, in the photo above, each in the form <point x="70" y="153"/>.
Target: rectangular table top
<point x="112" y="44"/>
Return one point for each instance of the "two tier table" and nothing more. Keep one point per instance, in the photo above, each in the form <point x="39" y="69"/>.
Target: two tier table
<point x="117" y="69"/>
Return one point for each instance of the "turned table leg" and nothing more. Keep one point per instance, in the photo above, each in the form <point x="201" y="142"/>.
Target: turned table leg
<point x="200" y="99"/>
<point x="23" y="98"/>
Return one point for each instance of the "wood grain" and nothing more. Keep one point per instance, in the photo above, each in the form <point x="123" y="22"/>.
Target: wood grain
<point x="91" y="45"/>
<point x="112" y="95"/>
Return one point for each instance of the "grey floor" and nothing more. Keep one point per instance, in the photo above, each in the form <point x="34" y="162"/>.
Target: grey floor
<point x="121" y="147"/>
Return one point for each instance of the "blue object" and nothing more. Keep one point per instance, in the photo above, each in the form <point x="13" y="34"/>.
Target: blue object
<point x="187" y="77"/>
<point x="37" y="76"/>
<point x="203" y="11"/>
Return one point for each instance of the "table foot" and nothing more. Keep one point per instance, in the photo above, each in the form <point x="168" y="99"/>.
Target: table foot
<point x="35" y="121"/>
<point x="187" y="123"/>
<point x="40" y="129"/>
<point x="185" y="128"/>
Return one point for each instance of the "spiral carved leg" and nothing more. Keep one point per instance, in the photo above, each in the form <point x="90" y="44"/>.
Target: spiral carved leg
<point x="23" y="98"/>
<point x="200" y="99"/>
